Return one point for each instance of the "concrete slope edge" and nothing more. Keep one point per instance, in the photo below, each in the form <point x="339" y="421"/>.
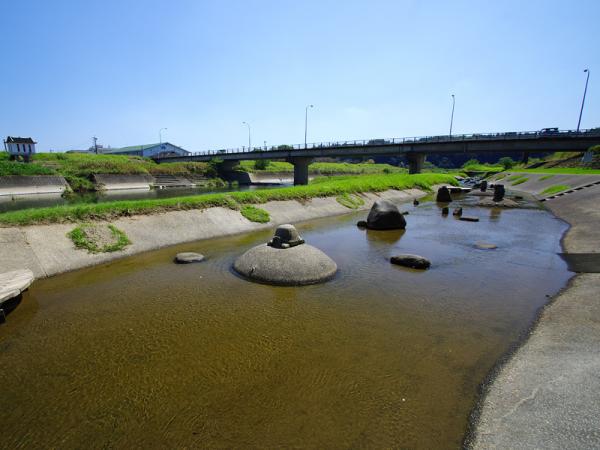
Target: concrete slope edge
<point x="508" y="412"/>
<point x="521" y="340"/>
<point x="47" y="251"/>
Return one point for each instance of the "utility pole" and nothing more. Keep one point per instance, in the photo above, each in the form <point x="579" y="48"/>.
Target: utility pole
<point x="583" y="100"/>
<point x="249" y="139"/>
<point x="306" y="122"/>
<point x="160" y="134"/>
<point x="452" y="115"/>
<point x="95" y="144"/>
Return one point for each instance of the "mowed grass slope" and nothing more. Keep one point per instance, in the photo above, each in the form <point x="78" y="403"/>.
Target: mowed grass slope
<point x="334" y="186"/>
<point x="324" y="168"/>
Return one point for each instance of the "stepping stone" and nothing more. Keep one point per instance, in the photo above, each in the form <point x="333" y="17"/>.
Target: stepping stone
<point x="13" y="283"/>
<point x="188" y="257"/>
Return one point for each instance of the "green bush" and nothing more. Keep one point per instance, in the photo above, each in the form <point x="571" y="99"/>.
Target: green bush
<point x="255" y="214"/>
<point x="506" y="162"/>
<point x="471" y="162"/>
<point x="261" y="164"/>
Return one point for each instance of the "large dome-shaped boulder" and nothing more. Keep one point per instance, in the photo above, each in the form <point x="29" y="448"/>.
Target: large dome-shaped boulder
<point x="280" y="263"/>
<point x="384" y="215"/>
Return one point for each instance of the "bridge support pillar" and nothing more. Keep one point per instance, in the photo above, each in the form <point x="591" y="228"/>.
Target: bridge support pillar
<point x="300" y="169"/>
<point x="415" y="162"/>
<point x="525" y="157"/>
<point x="227" y="170"/>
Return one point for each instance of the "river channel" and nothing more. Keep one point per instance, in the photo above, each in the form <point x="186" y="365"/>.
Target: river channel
<point x="143" y="353"/>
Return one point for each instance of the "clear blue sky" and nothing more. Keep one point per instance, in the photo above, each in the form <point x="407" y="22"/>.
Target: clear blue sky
<point x="122" y="69"/>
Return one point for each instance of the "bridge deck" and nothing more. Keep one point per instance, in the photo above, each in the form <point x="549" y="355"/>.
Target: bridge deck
<point x="524" y="141"/>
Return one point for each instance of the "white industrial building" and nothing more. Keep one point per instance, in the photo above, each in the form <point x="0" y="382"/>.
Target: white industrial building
<point x="20" y="148"/>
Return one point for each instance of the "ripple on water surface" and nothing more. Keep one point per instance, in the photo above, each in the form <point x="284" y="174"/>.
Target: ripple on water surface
<point x="145" y="353"/>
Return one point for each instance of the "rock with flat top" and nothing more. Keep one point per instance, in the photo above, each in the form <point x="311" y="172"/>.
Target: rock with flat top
<point x="188" y="257"/>
<point x="14" y="283"/>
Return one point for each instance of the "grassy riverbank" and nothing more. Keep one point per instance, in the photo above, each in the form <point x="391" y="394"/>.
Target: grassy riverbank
<point x="324" y="188"/>
<point x="79" y="168"/>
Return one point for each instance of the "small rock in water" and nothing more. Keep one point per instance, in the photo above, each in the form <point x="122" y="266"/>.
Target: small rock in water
<point x="457" y="212"/>
<point x="445" y="211"/>
<point x="443" y="195"/>
<point x="469" y="218"/>
<point x="405" y="213"/>
<point x="484" y="185"/>
<point x="499" y="192"/>
<point x="411" y="261"/>
<point x="416" y="202"/>
<point x="361" y="224"/>
<point x="188" y="257"/>
<point x="485" y="246"/>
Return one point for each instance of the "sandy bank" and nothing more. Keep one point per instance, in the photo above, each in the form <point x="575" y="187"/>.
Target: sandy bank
<point x="547" y="394"/>
<point x="46" y="250"/>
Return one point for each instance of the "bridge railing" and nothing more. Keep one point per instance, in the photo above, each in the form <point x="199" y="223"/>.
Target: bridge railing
<point x="399" y="141"/>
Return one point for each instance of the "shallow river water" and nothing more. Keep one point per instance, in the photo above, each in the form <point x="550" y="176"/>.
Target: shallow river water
<point x="144" y="353"/>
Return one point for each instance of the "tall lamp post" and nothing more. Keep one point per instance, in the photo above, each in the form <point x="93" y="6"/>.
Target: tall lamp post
<point x="160" y="134"/>
<point x="249" y="139"/>
<point x="306" y="122"/>
<point x="583" y="100"/>
<point x="452" y="115"/>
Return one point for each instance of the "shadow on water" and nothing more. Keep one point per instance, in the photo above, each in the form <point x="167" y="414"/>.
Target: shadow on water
<point x="142" y="352"/>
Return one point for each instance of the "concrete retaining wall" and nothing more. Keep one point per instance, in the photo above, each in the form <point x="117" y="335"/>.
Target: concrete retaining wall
<point x="114" y="181"/>
<point x="29" y="185"/>
<point x="46" y="249"/>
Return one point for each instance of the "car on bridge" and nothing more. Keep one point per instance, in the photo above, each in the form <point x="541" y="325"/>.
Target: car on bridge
<point x="552" y="130"/>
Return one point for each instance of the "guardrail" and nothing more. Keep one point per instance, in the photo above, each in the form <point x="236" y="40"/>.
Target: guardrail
<point x="400" y="141"/>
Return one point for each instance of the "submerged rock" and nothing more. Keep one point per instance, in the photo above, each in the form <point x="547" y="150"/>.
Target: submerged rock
<point x="416" y="202"/>
<point x="384" y="215"/>
<point x="285" y="264"/>
<point x="361" y="224"/>
<point x="412" y="261"/>
<point x="485" y="246"/>
<point x="469" y="219"/>
<point x="457" y="212"/>
<point x="188" y="257"/>
<point x="443" y="195"/>
<point x="445" y="211"/>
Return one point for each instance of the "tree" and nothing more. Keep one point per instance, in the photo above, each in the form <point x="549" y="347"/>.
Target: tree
<point x="471" y="162"/>
<point x="261" y="164"/>
<point x="507" y="163"/>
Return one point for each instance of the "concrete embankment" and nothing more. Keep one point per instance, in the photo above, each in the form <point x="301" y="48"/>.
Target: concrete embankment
<point x="537" y="183"/>
<point x="32" y="185"/>
<point x="46" y="249"/>
<point x="547" y="394"/>
<point x="110" y="182"/>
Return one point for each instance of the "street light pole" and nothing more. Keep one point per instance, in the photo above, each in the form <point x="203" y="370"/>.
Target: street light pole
<point x="452" y="115"/>
<point x="583" y="100"/>
<point x="306" y="122"/>
<point x="160" y="134"/>
<point x="249" y="139"/>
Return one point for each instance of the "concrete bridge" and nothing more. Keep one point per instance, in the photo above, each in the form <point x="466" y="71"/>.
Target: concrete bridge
<point x="415" y="149"/>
